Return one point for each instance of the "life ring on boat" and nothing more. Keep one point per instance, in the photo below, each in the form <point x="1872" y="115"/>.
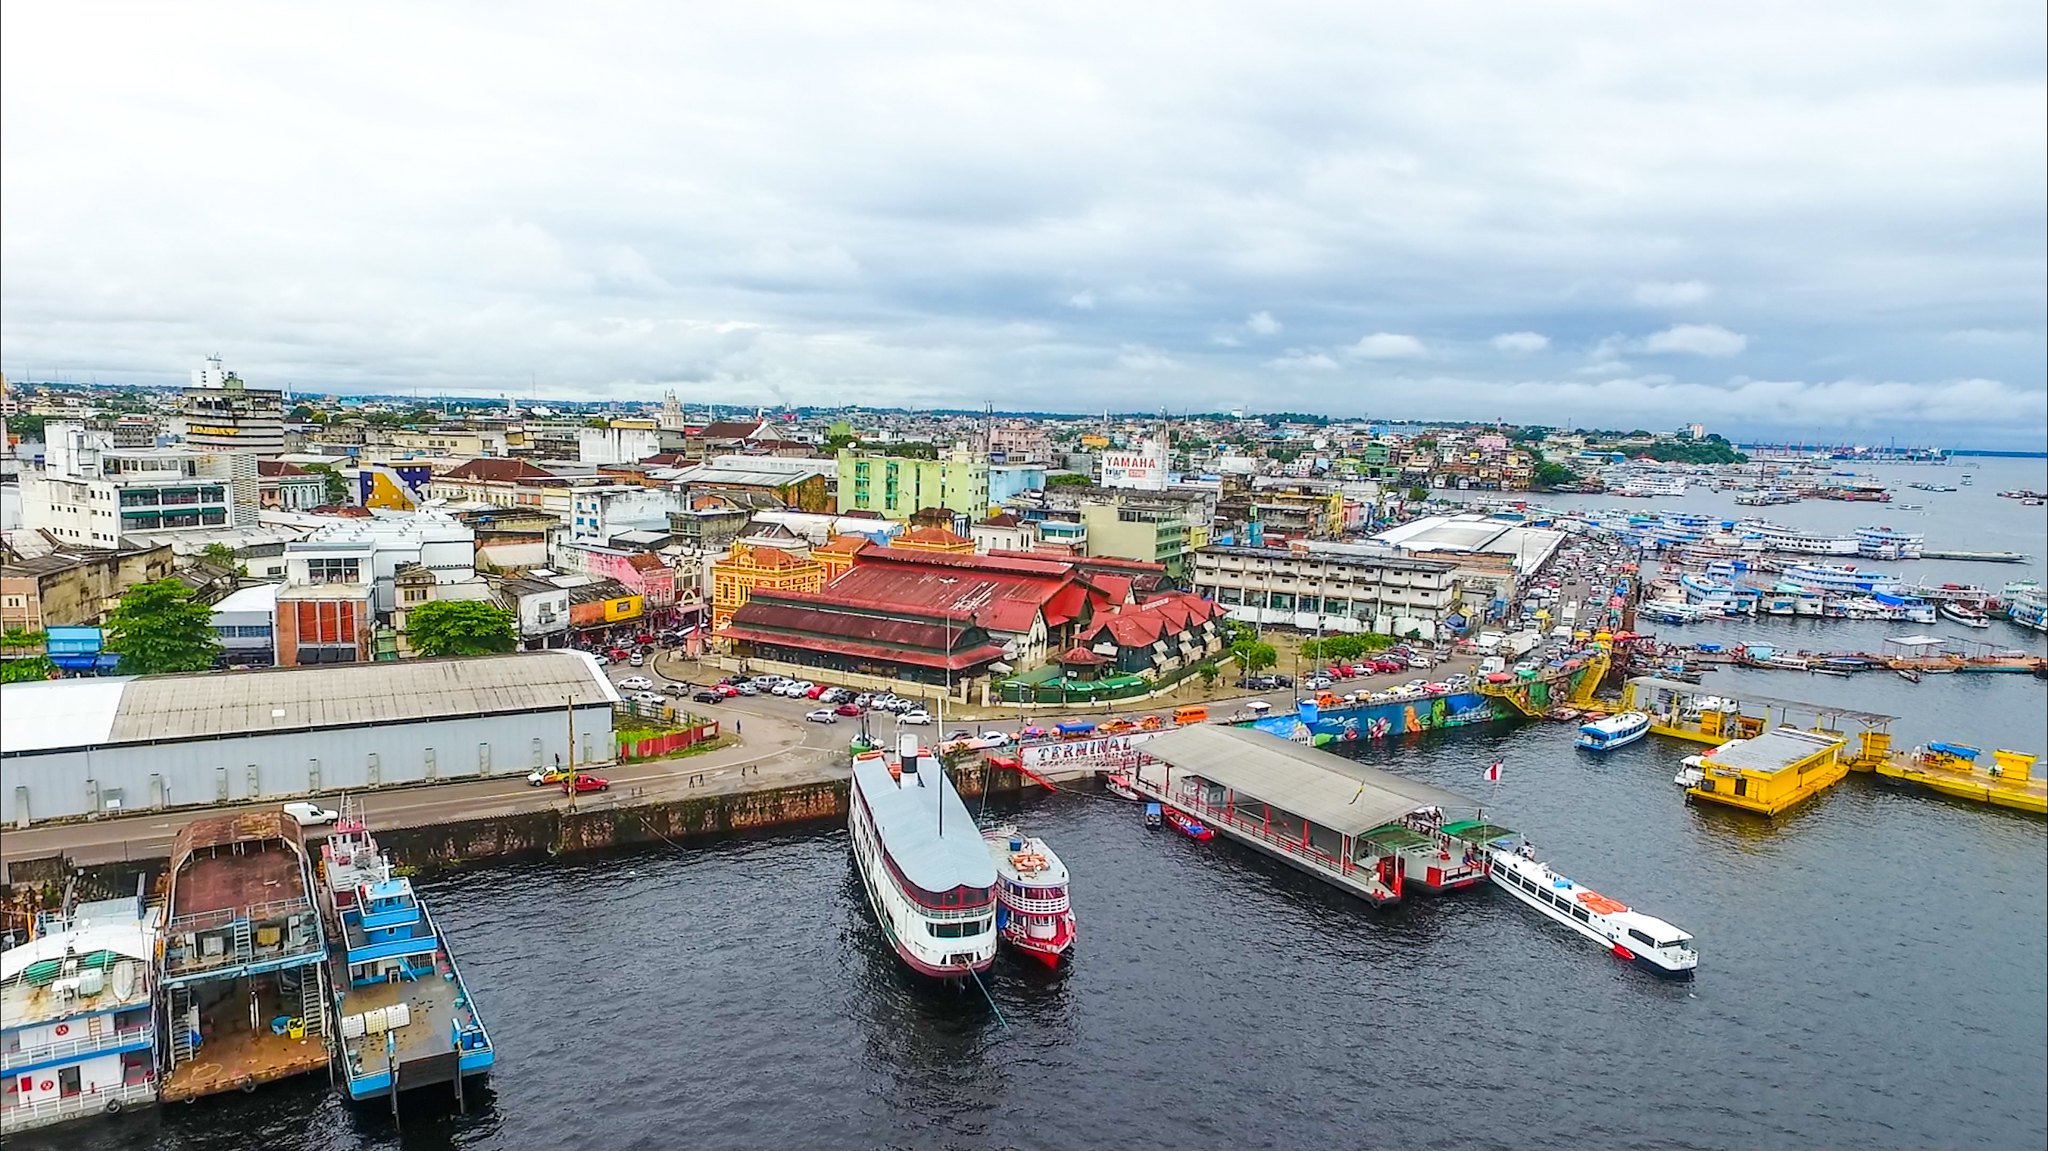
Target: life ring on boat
<point x="63" y="1029"/>
<point x="1028" y="861"/>
<point x="113" y="1106"/>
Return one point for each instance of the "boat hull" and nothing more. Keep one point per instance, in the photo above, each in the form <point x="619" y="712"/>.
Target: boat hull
<point x="1643" y="962"/>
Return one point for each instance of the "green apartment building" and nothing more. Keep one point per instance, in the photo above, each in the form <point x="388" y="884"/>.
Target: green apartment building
<point x="898" y="488"/>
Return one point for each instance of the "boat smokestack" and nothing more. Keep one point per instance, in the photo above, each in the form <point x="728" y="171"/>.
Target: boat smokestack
<point x="906" y="754"/>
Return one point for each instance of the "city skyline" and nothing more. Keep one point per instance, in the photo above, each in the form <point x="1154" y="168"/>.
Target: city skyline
<point x="1557" y="216"/>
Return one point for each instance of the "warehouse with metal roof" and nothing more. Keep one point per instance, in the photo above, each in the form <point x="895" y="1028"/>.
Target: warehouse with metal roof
<point x="99" y="746"/>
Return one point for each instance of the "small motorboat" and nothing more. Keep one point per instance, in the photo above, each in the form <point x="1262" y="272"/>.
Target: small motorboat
<point x="1151" y="815"/>
<point x="1908" y="674"/>
<point x="1119" y="786"/>
<point x="1188" y="825"/>
<point x="1834" y="671"/>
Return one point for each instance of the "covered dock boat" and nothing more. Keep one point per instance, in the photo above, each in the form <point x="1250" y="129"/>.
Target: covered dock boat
<point x="1359" y="828"/>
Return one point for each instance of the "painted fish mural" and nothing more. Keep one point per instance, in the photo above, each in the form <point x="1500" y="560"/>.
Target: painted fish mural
<point x="1380" y="720"/>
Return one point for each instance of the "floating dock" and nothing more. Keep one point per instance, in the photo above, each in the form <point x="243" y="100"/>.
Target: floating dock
<point x="1973" y="557"/>
<point x="1688" y="711"/>
<point x="1951" y="770"/>
<point x="1770" y="773"/>
<point x="1342" y="822"/>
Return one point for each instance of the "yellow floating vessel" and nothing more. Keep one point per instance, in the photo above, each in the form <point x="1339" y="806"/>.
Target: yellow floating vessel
<point x="1952" y="769"/>
<point x="1768" y="772"/>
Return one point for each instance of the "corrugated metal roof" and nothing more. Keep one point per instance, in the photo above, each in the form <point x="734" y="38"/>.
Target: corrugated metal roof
<point x="90" y="712"/>
<point x="908" y="821"/>
<point x="42" y="715"/>
<point x="1774" y="750"/>
<point x="1345" y="796"/>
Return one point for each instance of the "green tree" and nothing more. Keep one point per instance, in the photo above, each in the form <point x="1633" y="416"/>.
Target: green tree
<point x="24" y="656"/>
<point x="159" y="628"/>
<point x="300" y="414"/>
<point x="1552" y="475"/>
<point x="337" y="484"/>
<point x="597" y="422"/>
<point x="1254" y="655"/>
<point x="1209" y="673"/>
<point x="460" y="627"/>
<point x="1417" y="493"/>
<point x="1067" y="480"/>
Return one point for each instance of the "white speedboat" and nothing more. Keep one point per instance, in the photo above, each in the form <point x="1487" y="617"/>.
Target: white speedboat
<point x="1642" y="940"/>
<point x="1032" y="913"/>
<point x="1967" y="616"/>
<point x="1614" y="731"/>
<point x="926" y="871"/>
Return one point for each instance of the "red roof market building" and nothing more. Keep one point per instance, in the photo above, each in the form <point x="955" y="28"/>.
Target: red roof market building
<point x="922" y="615"/>
<point x="1163" y="634"/>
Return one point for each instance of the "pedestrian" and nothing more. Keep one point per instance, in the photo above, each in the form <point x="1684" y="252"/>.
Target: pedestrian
<point x="735" y="727"/>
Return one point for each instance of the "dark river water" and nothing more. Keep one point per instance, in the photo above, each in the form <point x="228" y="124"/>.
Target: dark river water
<point x="1874" y="975"/>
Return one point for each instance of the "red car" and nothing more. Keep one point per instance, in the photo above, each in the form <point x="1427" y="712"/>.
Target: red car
<point x="1341" y="672"/>
<point x="846" y="709"/>
<point x="817" y="689"/>
<point x="585" y="784"/>
<point x="619" y="653"/>
<point x="727" y="690"/>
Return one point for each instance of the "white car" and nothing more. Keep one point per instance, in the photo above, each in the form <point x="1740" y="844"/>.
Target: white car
<point x="310" y="814"/>
<point x="915" y="717"/>
<point x="654" y="698"/>
<point x="1316" y="682"/>
<point x="636" y="683"/>
<point x="820" y="715"/>
<point x="998" y="736"/>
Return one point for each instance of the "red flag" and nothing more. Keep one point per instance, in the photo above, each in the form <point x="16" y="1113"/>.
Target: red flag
<point x="1493" y="773"/>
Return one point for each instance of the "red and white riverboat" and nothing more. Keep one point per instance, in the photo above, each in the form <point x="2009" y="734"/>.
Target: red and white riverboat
<point x="1033" y="914"/>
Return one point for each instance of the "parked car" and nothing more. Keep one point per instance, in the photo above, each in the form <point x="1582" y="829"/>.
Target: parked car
<point x="958" y="733"/>
<point x="678" y="690"/>
<point x="847" y="709"/>
<point x="636" y="659"/>
<point x="864" y="701"/>
<point x="727" y="690"/>
<point x="602" y="659"/>
<point x="547" y="775"/>
<point x="915" y="717"/>
<point x="816" y="691"/>
<point x="820" y="715"/>
<point x="708" y="695"/>
<point x="635" y="683"/>
<point x="746" y="689"/>
<point x="1316" y="682"/>
<point x="585" y="784"/>
<point x="310" y="814"/>
<point x="617" y="653"/>
<point x="651" y="698"/>
<point x="999" y="736"/>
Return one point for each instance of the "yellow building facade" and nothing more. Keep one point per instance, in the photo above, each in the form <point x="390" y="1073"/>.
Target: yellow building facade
<point x="747" y="568"/>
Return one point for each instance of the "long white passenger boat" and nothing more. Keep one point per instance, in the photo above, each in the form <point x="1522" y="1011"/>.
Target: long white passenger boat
<point x="922" y="862"/>
<point x="1643" y="940"/>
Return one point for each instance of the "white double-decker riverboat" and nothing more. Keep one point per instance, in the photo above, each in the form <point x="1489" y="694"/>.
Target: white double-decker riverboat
<point x="1643" y="940"/>
<point x="922" y="862"/>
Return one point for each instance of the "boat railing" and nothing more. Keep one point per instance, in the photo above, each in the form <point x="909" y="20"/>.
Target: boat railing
<point x="1038" y="906"/>
<point x="1259" y="831"/>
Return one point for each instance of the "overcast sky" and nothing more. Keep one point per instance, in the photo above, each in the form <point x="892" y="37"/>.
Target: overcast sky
<point x="1817" y="219"/>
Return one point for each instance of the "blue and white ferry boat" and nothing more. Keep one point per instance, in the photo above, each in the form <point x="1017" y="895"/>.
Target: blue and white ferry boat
<point x="404" y="1017"/>
<point x="1614" y="731"/>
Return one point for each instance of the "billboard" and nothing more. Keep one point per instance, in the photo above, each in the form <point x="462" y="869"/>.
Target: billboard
<point x="1060" y="753"/>
<point x="1143" y="468"/>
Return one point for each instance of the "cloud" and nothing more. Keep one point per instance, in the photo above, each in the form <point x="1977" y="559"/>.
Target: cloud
<point x="891" y="210"/>
<point x="1661" y="294"/>
<point x="1695" y="340"/>
<point x="1139" y="358"/>
<point x="1263" y="323"/>
<point x="1520" y="342"/>
<point x="1296" y="360"/>
<point x="1388" y="346"/>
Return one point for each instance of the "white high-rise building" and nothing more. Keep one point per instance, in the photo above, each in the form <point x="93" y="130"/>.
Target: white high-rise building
<point x="90" y="492"/>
